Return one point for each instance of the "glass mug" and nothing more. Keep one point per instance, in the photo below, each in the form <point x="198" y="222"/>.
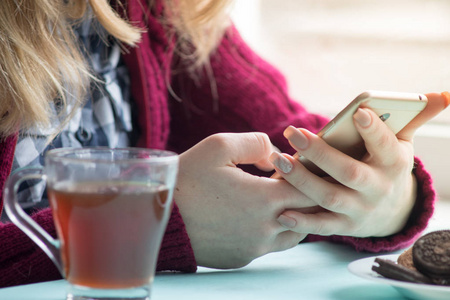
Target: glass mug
<point x="110" y="208"/>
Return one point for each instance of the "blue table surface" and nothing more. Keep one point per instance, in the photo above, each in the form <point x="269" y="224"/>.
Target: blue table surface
<point x="316" y="271"/>
<point x="308" y="271"/>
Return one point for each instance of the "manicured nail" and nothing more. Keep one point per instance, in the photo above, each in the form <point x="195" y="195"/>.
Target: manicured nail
<point x="281" y="162"/>
<point x="362" y="117"/>
<point x="287" y="222"/>
<point x="446" y="96"/>
<point x="296" y="137"/>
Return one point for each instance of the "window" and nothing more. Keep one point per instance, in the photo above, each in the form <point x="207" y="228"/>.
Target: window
<point x="331" y="50"/>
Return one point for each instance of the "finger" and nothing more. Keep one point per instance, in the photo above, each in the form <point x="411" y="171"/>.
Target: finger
<point x="287" y="239"/>
<point x="380" y="142"/>
<point x="276" y="175"/>
<point x="343" y="168"/>
<point x="326" y="194"/>
<point x="325" y="223"/>
<point x="265" y="164"/>
<point x="274" y="195"/>
<point x="241" y="148"/>
<point x="436" y="103"/>
<point x="283" y="195"/>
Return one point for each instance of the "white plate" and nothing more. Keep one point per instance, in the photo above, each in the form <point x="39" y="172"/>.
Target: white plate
<point x="363" y="268"/>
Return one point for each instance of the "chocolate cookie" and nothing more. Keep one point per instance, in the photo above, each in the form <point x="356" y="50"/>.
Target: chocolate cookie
<point x="431" y="254"/>
<point x="405" y="259"/>
<point x="392" y="270"/>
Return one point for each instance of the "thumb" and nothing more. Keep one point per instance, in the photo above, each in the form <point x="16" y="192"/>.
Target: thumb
<point x="246" y="148"/>
<point x="436" y="103"/>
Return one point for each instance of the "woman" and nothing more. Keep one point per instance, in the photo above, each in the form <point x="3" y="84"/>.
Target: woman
<point x="181" y="78"/>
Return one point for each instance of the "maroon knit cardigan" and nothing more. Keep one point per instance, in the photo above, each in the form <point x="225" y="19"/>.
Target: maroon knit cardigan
<point x="249" y="95"/>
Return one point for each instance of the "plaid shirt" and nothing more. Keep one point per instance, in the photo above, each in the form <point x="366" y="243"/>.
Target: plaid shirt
<point x="105" y="119"/>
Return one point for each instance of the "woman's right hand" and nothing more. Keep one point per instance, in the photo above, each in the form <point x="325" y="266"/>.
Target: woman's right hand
<point x="230" y="215"/>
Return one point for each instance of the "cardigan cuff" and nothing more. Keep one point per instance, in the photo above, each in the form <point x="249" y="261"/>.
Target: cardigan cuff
<point x="21" y="260"/>
<point x="176" y="253"/>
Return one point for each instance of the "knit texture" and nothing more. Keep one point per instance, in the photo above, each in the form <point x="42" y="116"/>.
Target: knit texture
<point x="241" y="92"/>
<point x="21" y="260"/>
<point x="7" y="148"/>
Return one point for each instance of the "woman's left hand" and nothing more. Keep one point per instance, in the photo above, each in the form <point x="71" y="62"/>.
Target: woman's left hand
<point x="371" y="197"/>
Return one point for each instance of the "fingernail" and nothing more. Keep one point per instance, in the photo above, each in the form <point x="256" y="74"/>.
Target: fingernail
<point x="362" y="117"/>
<point x="287" y="222"/>
<point x="446" y="96"/>
<point x="296" y="137"/>
<point x="281" y="162"/>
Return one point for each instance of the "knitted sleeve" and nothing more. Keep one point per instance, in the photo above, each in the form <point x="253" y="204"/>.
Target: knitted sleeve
<point x="248" y="94"/>
<point x="23" y="262"/>
<point x="176" y="253"/>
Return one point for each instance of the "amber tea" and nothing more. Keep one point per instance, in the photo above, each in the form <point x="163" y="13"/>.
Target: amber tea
<point x="106" y="229"/>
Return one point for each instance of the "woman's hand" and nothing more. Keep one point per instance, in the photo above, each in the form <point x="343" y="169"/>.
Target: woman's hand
<point x="230" y="215"/>
<point x="372" y="197"/>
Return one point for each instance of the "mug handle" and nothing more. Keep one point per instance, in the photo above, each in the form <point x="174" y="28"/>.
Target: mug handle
<point x="49" y="245"/>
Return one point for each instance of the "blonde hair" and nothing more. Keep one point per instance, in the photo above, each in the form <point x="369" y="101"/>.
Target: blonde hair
<point x="198" y="25"/>
<point x="41" y="64"/>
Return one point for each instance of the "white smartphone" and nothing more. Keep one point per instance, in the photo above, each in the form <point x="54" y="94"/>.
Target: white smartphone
<point x="394" y="108"/>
